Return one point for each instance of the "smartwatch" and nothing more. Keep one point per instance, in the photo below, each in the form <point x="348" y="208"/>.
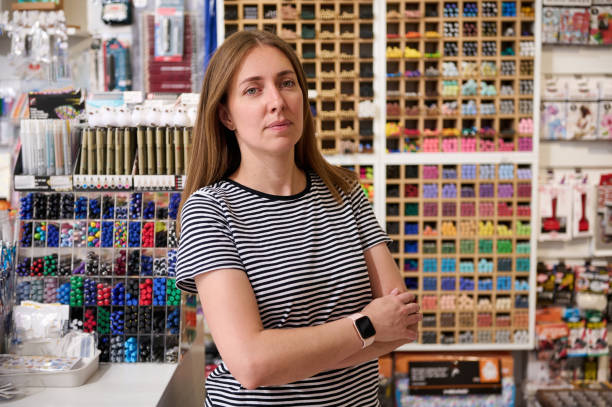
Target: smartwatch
<point x="364" y="328"/>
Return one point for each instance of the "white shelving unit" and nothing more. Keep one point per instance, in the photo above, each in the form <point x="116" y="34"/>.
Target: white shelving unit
<point x="380" y="159"/>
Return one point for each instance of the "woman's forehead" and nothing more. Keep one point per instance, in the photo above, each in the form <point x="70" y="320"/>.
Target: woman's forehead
<point x="261" y="61"/>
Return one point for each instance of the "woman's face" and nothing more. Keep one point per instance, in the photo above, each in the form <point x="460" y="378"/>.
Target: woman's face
<point x="264" y="104"/>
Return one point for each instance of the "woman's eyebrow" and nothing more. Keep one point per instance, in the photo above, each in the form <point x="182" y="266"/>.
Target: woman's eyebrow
<point x="258" y="78"/>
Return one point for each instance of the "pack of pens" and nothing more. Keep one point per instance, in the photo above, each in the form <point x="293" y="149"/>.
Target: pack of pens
<point x="155" y="141"/>
<point x="47" y="146"/>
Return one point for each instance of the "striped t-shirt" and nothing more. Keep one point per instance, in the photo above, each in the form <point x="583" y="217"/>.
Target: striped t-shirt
<point x="303" y="255"/>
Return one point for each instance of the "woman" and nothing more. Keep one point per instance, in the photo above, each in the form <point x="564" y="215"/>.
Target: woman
<point x="296" y="282"/>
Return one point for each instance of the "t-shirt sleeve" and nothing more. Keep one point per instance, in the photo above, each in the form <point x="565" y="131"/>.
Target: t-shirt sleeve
<point x="370" y="232"/>
<point x="206" y="242"/>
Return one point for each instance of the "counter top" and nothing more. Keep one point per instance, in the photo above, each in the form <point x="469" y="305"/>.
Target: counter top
<point x="113" y="384"/>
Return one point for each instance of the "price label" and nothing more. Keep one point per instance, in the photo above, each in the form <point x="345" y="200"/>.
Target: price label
<point x="24" y="182"/>
<point x="133" y="97"/>
<point x="60" y="182"/>
<point x="190" y="98"/>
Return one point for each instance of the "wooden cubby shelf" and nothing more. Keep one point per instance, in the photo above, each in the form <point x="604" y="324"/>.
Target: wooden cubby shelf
<point x="335" y="42"/>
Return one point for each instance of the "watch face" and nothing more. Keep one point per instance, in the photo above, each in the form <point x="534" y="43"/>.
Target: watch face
<point x="365" y="327"/>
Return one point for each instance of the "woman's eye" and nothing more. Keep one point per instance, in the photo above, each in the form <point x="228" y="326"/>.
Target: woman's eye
<point x="251" y="91"/>
<point x="288" y="83"/>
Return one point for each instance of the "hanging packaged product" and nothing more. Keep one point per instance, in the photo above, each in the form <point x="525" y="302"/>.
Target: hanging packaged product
<point x="597" y="334"/>
<point x="169" y="30"/>
<point x="564" y="285"/>
<point x="554" y="109"/>
<point x="603" y="223"/>
<point x="577" y="345"/>
<point x="592" y="278"/>
<point x="604" y="114"/>
<point x="118" y="72"/>
<point x="583" y="196"/>
<point x="117" y="12"/>
<point x="551" y="17"/>
<point x="582" y="109"/>
<point x="592" y="285"/>
<point x="555" y="212"/>
<point x="546" y="285"/>
<point x="601" y="25"/>
<point x="574" y="25"/>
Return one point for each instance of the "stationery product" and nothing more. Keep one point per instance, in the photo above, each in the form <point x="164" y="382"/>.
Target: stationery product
<point x="582" y="108"/>
<point x="601" y="25"/>
<point x="128" y="150"/>
<point x="169" y="137"/>
<point x="150" y="148"/>
<point x="47" y="147"/>
<point x="110" y="151"/>
<point x="187" y="133"/>
<point x="99" y="157"/>
<point x="178" y="150"/>
<point x="160" y="134"/>
<point x="118" y="74"/>
<point x="555" y="211"/>
<point x="91" y="152"/>
<point x="83" y="169"/>
<point x="140" y="142"/>
<point x="118" y="139"/>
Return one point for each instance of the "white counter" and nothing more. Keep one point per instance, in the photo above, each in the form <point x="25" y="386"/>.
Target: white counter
<point x="113" y="384"/>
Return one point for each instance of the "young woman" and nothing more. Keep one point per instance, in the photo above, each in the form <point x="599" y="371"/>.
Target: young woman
<point x="296" y="282"/>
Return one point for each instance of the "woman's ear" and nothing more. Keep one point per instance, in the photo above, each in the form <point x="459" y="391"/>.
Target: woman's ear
<point x="225" y="117"/>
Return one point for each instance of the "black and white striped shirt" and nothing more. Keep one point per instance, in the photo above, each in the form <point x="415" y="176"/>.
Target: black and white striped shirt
<point x="303" y="255"/>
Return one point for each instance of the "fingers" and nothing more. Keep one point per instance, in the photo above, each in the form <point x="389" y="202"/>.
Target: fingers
<point x="412" y="308"/>
<point x="413" y="319"/>
<point x="406" y="297"/>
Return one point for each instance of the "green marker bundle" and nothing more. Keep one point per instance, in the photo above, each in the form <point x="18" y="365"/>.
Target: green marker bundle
<point x="76" y="291"/>
<point x="173" y="294"/>
<point x="103" y="326"/>
<point x="50" y="265"/>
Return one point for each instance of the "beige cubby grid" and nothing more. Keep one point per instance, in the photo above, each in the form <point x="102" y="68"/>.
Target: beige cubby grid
<point x="429" y="88"/>
<point x="398" y="216"/>
<point x="337" y="61"/>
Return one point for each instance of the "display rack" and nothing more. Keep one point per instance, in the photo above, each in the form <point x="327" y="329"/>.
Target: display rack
<point x="461" y="235"/>
<point x="111" y="257"/>
<point x="459" y="76"/>
<point x="494" y="137"/>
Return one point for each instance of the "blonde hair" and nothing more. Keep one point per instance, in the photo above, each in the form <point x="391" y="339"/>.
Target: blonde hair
<point x="215" y="151"/>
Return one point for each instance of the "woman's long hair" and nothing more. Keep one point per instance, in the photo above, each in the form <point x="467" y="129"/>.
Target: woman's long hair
<point x="215" y="151"/>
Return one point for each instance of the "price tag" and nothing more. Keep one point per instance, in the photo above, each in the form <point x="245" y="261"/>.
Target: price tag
<point x="60" y="182"/>
<point x="133" y="97"/>
<point x="24" y="182"/>
<point x="190" y="98"/>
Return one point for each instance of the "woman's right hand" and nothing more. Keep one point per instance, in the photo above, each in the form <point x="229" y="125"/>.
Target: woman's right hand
<point x="394" y="317"/>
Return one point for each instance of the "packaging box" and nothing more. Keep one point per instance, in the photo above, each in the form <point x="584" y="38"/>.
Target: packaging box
<point x="583" y="94"/>
<point x="65" y="105"/>
<point x="601" y="25"/>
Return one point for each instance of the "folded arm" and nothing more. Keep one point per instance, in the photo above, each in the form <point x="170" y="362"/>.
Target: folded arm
<point x="265" y="357"/>
<point x="384" y="278"/>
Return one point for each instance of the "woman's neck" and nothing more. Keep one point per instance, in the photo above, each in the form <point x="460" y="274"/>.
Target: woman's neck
<point x="274" y="178"/>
